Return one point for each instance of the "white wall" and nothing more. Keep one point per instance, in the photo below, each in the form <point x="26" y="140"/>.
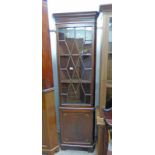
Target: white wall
<point x="60" y="6"/>
<point x="75" y="5"/>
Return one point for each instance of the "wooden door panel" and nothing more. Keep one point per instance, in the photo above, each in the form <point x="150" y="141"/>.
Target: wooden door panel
<point x="77" y="126"/>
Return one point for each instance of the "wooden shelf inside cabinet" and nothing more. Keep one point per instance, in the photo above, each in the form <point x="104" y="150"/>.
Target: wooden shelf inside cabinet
<point x="84" y="54"/>
<point x="75" y="81"/>
<point x="67" y="94"/>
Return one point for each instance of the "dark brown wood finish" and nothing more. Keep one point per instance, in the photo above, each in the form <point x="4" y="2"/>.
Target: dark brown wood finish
<point x="77" y="126"/>
<point x="49" y="129"/>
<point x="47" y="78"/>
<point x="75" y="17"/>
<point x="76" y="93"/>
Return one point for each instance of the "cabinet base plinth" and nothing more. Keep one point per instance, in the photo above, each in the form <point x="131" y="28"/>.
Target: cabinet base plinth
<point x="89" y="148"/>
<point x="52" y="151"/>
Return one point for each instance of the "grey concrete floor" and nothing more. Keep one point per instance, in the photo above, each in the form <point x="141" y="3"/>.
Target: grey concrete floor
<point x="74" y="152"/>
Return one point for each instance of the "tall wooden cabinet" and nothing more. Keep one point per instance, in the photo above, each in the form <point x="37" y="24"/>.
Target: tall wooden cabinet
<point x="76" y="43"/>
<point x="49" y="130"/>
<point x="105" y="81"/>
<point x="106" y="56"/>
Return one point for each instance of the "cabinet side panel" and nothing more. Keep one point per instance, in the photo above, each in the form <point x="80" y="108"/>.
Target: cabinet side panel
<point x="51" y="119"/>
<point x="47" y="77"/>
<point x="44" y="125"/>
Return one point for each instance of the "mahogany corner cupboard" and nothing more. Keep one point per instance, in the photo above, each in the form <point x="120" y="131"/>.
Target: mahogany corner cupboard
<point x="76" y="44"/>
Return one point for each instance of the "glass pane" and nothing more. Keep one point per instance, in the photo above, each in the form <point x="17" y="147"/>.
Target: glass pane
<point x="70" y="33"/>
<point x="80" y="33"/>
<point x="86" y="76"/>
<point x="63" y="47"/>
<point x="64" y="88"/>
<point x="88" y="99"/>
<point x="69" y="44"/>
<point x="61" y="34"/>
<point x="86" y="61"/>
<point x="87" y="48"/>
<point x="86" y="87"/>
<point x="75" y="48"/>
<point x="89" y="34"/>
<point x="76" y="71"/>
<point x="75" y="94"/>
<point x="64" y="61"/>
<point x="64" y="75"/>
<point x="79" y="45"/>
<point x="75" y="61"/>
<point x="79" y="68"/>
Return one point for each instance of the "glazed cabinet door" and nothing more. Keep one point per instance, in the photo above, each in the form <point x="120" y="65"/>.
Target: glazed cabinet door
<point x="75" y="46"/>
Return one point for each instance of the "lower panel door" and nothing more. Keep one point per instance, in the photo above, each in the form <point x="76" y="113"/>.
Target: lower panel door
<point x="77" y="126"/>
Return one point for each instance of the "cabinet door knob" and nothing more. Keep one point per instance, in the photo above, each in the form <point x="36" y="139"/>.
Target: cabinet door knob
<point x="71" y="68"/>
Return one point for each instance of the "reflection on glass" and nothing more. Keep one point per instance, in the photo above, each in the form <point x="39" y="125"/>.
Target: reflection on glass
<point x="80" y="32"/>
<point x="86" y="61"/>
<point x="61" y="34"/>
<point x="70" y="33"/>
<point x="86" y="75"/>
<point x="89" y="34"/>
<point x="110" y="35"/>
<point x="87" y="48"/>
